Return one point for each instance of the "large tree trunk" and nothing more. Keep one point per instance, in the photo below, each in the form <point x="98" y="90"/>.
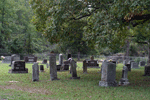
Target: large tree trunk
<point x="148" y="62"/>
<point x="78" y="55"/>
<point x="126" y="56"/>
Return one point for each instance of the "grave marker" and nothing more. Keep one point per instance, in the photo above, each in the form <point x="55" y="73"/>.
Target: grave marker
<point x="18" y="67"/>
<point x="7" y="59"/>
<point x="142" y="63"/>
<point x="134" y="65"/>
<point x="73" y="70"/>
<point x="53" y="69"/>
<point x="35" y="72"/>
<point x="108" y="74"/>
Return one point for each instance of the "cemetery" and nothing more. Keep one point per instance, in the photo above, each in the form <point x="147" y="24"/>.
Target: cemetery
<point x="114" y="81"/>
<point x="75" y="50"/>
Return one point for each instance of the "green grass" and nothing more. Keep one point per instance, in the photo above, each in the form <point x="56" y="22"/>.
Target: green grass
<point x="86" y="88"/>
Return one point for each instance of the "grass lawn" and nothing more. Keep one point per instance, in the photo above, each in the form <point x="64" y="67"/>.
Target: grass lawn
<point x="21" y="87"/>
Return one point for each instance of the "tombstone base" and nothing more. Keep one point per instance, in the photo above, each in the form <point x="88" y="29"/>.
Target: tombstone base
<point x="35" y="80"/>
<point x="124" y="82"/>
<point x="74" y="77"/>
<point x="106" y="84"/>
<point x="12" y="71"/>
<point x="54" y="79"/>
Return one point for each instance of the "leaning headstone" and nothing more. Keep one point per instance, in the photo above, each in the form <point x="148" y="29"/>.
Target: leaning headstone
<point x="18" y="67"/>
<point x="35" y="72"/>
<point x="73" y="70"/>
<point x="7" y="59"/>
<point x="142" y="63"/>
<point x="53" y="70"/>
<point x="147" y="70"/>
<point x="41" y="68"/>
<point x="108" y="74"/>
<point x="134" y="65"/>
<point x="124" y="79"/>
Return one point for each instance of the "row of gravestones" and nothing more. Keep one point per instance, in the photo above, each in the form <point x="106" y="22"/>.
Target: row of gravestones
<point x="141" y="63"/>
<point x="19" y="67"/>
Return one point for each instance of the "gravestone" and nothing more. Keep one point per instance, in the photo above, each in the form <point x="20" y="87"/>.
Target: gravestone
<point x="147" y="70"/>
<point x="14" y="57"/>
<point x="129" y="67"/>
<point x="58" y="67"/>
<point x="7" y="59"/>
<point x="53" y="69"/>
<point x="44" y="61"/>
<point x="66" y="65"/>
<point x="108" y="74"/>
<point x="35" y="72"/>
<point x="73" y="70"/>
<point x="84" y="67"/>
<point x="60" y="59"/>
<point x="124" y="80"/>
<point x="18" y="67"/>
<point x="69" y="56"/>
<point x="142" y="63"/>
<point x="41" y="68"/>
<point x="134" y="65"/>
<point x="30" y="59"/>
<point x="125" y="62"/>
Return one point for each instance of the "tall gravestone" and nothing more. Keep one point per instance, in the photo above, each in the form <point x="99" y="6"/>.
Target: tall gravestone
<point x="108" y="74"/>
<point x="35" y="72"/>
<point x="84" y="67"/>
<point x="73" y="70"/>
<point x="60" y="59"/>
<point x="124" y="79"/>
<point x="53" y="69"/>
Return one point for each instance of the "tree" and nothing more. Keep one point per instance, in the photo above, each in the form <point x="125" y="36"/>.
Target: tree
<point x="107" y="20"/>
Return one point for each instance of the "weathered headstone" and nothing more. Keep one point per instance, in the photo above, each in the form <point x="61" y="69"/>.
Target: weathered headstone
<point x="60" y="59"/>
<point x="41" y="68"/>
<point x="30" y="59"/>
<point x="147" y="70"/>
<point x="124" y="79"/>
<point x="108" y="74"/>
<point x="7" y="59"/>
<point x="134" y="65"/>
<point x="129" y="67"/>
<point x="18" y="67"/>
<point x="35" y="72"/>
<point x="53" y="69"/>
<point x="14" y="57"/>
<point x="73" y="70"/>
<point x="142" y="63"/>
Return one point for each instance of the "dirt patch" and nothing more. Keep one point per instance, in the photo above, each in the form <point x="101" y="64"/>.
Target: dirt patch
<point x="27" y="89"/>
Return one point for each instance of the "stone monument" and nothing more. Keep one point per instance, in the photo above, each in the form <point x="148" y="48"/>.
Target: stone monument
<point x="108" y="74"/>
<point x="147" y="70"/>
<point x="35" y="72"/>
<point x="53" y="69"/>
<point x="41" y="68"/>
<point x="134" y="65"/>
<point x="124" y="80"/>
<point x="142" y="63"/>
<point x="73" y="70"/>
<point x="18" y="67"/>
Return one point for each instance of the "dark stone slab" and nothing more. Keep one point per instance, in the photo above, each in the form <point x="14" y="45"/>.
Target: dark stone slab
<point x="44" y="61"/>
<point x="142" y="63"/>
<point x="41" y="68"/>
<point x="147" y="70"/>
<point x="84" y="67"/>
<point x="58" y="67"/>
<point x="30" y="59"/>
<point x="18" y="67"/>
